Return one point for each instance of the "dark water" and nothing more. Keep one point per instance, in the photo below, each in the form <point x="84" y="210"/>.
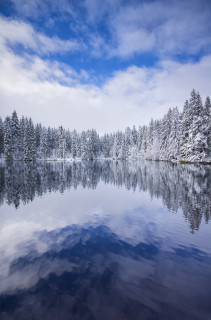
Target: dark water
<point x="105" y="240"/>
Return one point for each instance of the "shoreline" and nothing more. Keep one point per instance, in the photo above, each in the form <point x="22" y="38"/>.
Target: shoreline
<point x="110" y="159"/>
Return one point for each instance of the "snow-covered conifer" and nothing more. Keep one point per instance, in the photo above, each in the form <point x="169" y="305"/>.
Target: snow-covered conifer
<point x="106" y="146"/>
<point x="196" y="144"/>
<point x="62" y="143"/>
<point x="174" y="136"/>
<point x="122" y="153"/>
<point x="1" y="137"/>
<point x="74" y="144"/>
<point x="29" y="141"/>
<point x="185" y="122"/>
<point x="156" y="141"/>
<point x="38" y="132"/>
<point x="149" y="139"/>
<point x="16" y="135"/>
<point x="8" y="142"/>
<point x="207" y="126"/>
<point x="83" y="146"/>
<point x="43" y="144"/>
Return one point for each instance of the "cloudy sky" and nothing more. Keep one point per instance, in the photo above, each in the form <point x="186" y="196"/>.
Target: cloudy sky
<point x="102" y="64"/>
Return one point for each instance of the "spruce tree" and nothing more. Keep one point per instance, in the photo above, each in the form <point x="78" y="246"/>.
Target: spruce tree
<point x="43" y="144"/>
<point x="1" y="137"/>
<point x="23" y="122"/>
<point x="16" y="135"/>
<point x="29" y="142"/>
<point x="156" y="141"/>
<point x="196" y="146"/>
<point x="62" y="143"/>
<point x="207" y="126"/>
<point x="8" y="142"/>
<point x="74" y="144"/>
<point x="122" y="152"/>
<point x="185" y="122"/>
<point x="38" y="133"/>
<point x="149" y="139"/>
<point x="174" y="136"/>
<point x="83" y="146"/>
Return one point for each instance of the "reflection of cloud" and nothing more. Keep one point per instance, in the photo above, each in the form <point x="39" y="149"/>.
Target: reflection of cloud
<point x="120" y="245"/>
<point x="93" y="270"/>
<point x="131" y="214"/>
<point x="12" y="235"/>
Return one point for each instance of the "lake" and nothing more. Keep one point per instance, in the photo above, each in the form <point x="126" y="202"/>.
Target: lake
<point x="105" y="240"/>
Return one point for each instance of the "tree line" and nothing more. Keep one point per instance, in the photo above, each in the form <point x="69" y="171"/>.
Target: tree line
<point x="178" y="135"/>
<point x="22" y="182"/>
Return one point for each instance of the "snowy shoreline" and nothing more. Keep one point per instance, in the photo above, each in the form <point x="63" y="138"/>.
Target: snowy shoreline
<point x="2" y="161"/>
<point x="183" y="137"/>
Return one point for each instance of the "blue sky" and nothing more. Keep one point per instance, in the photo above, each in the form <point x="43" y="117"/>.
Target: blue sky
<point x="102" y="64"/>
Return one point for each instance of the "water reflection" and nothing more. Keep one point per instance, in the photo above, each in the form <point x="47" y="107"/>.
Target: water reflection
<point x="180" y="186"/>
<point x="139" y="262"/>
<point x="89" y="273"/>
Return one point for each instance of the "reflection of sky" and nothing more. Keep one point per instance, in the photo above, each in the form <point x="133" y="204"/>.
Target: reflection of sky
<point x="147" y="250"/>
<point x="134" y="217"/>
<point x="125" y="212"/>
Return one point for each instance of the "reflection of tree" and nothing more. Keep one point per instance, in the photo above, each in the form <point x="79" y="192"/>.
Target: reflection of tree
<point x="180" y="186"/>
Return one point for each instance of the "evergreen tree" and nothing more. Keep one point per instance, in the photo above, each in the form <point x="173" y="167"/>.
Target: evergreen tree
<point x="29" y="142"/>
<point x="178" y="136"/>
<point x="1" y="137"/>
<point x="90" y="151"/>
<point x="149" y="139"/>
<point x="16" y="136"/>
<point x="156" y="141"/>
<point x="49" y="143"/>
<point x="83" y="146"/>
<point x="8" y="141"/>
<point x="207" y="127"/>
<point x="23" y="122"/>
<point x="117" y="145"/>
<point x="62" y="143"/>
<point x="78" y="144"/>
<point x="74" y="144"/>
<point x="196" y="146"/>
<point x="123" y="153"/>
<point x="68" y="141"/>
<point x="115" y="148"/>
<point x="105" y="146"/>
<point x="127" y="135"/>
<point x="43" y="144"/>
<point x="38" y="132"/>
<point x="133" y="136"/>
<point x="185" y="122"/>
<point x="139" y="139"/>
<point x="143" y="147"/>
<point x="174" y="136"/>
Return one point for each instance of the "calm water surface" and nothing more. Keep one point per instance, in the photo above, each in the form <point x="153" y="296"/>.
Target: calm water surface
<point x="105" y="240"/>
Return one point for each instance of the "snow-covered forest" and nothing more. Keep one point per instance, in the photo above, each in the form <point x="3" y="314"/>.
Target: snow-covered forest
<point x="22" y="182"/>
<point x="183" y="136"/>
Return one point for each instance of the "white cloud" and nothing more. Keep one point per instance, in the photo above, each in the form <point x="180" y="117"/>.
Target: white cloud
<point x="131" y="42"/>
<point x="162" y="27"/>
<point x="52" y="93"/>
<point x="14" y="32"/>
<point x="43" y="8"/>
<point x="115" y="28"/>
